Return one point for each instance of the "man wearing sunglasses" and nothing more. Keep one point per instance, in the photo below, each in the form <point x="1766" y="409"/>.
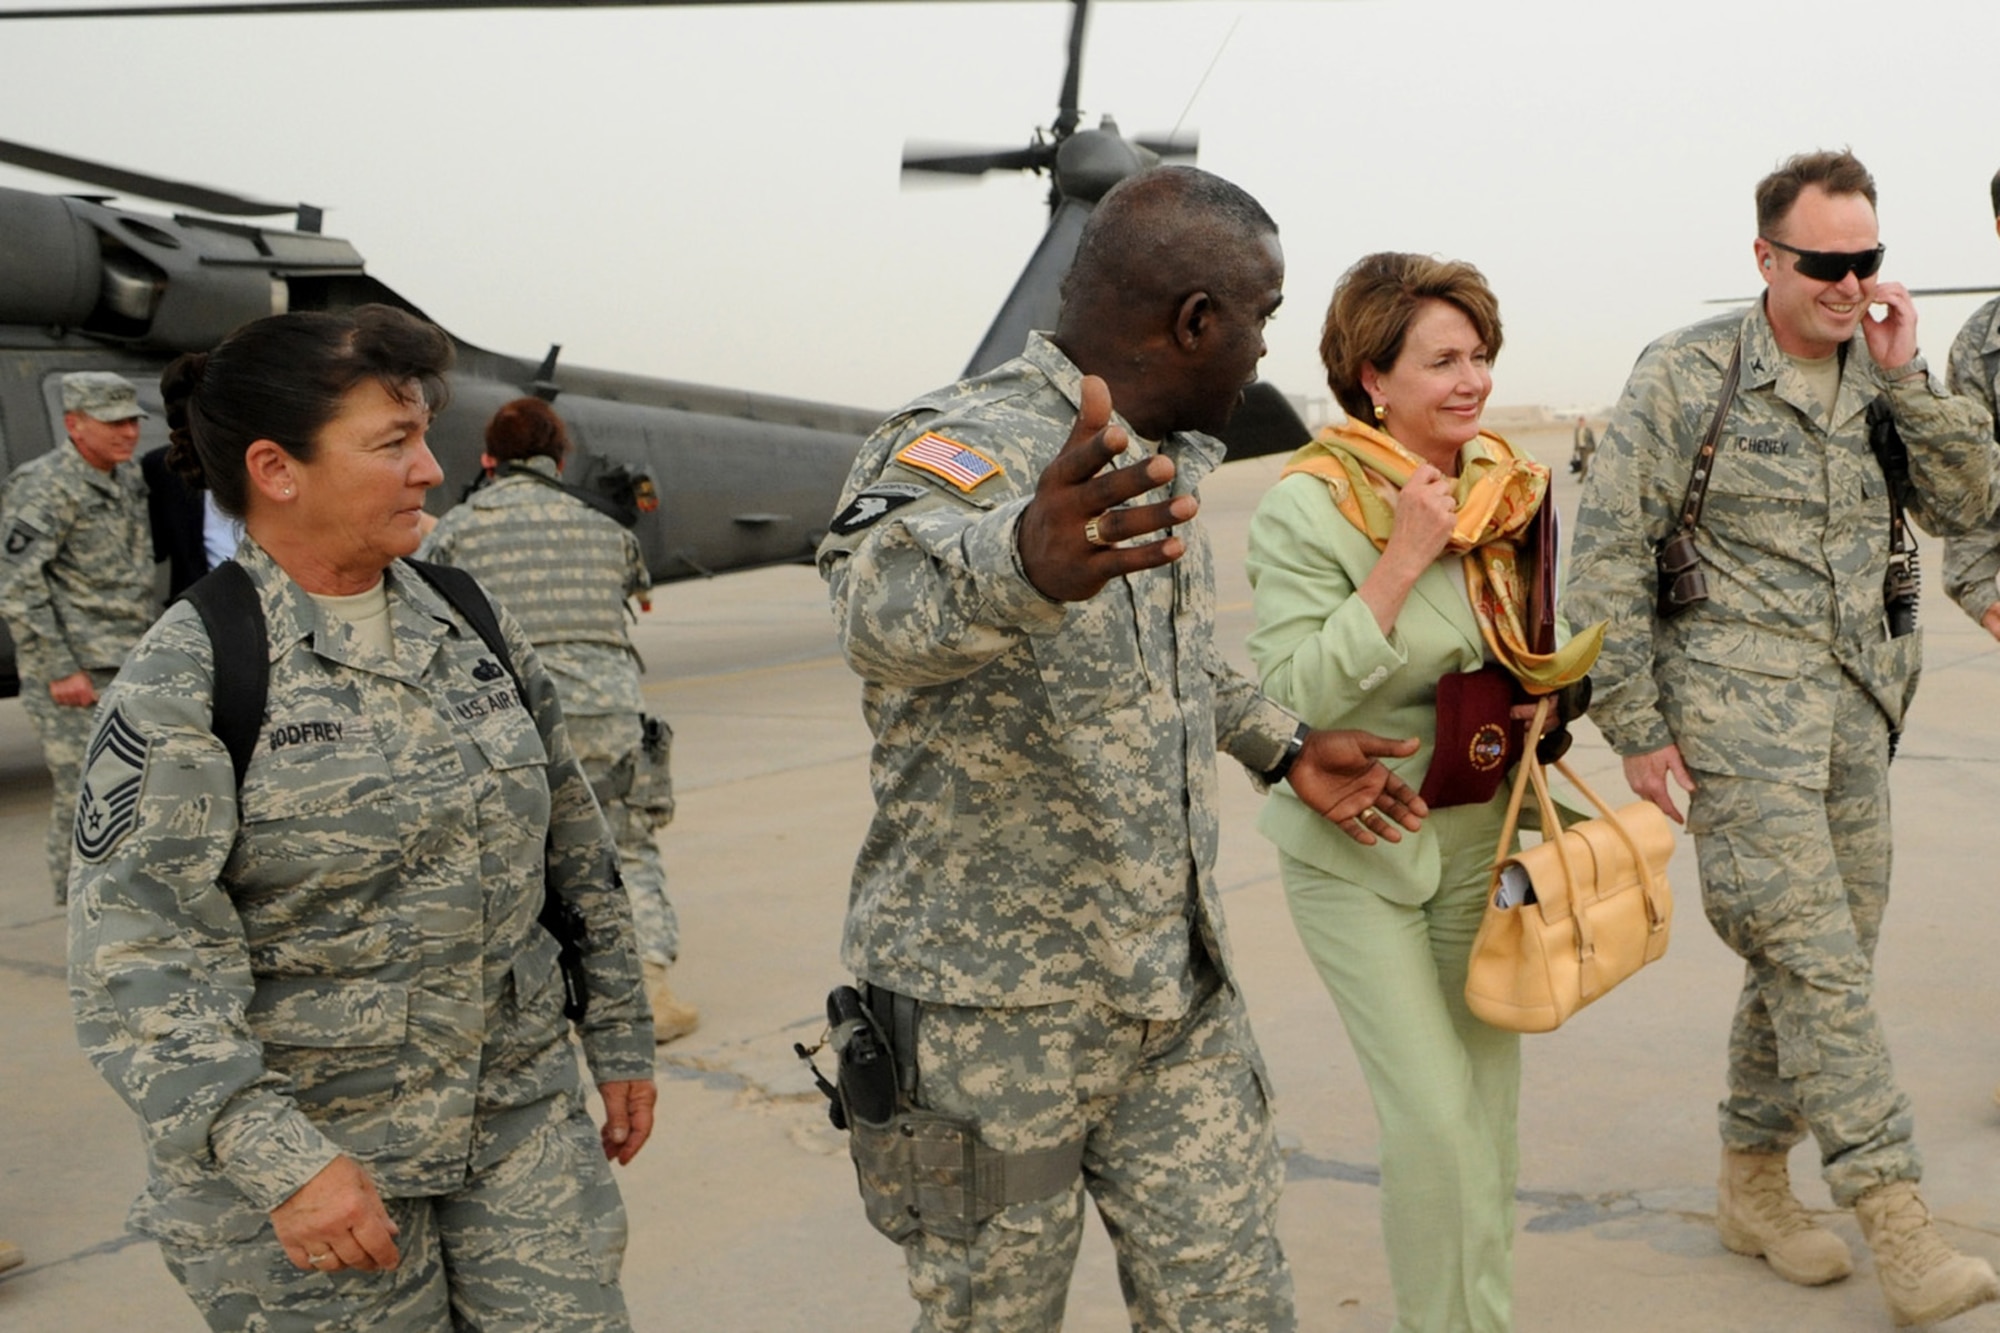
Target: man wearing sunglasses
<point x="1764" y="679"/>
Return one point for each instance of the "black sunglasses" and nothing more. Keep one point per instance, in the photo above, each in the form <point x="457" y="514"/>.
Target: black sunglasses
<point x="1832" y="265"/>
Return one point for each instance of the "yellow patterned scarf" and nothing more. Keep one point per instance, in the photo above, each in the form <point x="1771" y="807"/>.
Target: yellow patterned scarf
<point x="1497" y="492"/>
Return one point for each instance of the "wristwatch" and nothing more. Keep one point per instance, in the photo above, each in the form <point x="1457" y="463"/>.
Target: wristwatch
<point x="1293" y="749"/>
<point x="1914" y="368"/>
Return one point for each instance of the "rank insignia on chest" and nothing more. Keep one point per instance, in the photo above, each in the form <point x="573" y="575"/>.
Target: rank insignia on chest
<point x="959" y="464"/>
<point x="19" y="538"/>
<point x="107" y="807"/>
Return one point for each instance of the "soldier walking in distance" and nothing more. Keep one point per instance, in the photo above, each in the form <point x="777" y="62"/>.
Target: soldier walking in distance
<point x="1766" y="679"/>
<point x="1583" y="447"/>
<point x="76" y="579"/>
<point x="565" y="570"/>
<point x="1034" y="912"/>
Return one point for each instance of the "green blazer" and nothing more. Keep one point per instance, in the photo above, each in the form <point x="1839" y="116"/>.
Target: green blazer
<point x="1319" y="652"/>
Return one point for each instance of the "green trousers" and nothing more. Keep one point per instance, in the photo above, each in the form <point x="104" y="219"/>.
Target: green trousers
<point x="1446" y="1087"/>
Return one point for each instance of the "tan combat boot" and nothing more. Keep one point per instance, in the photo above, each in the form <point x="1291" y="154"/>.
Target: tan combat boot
<point x="672" y="1018"/>
<point x="1923" y="1277"/>
<point x="1758" y="1216"/>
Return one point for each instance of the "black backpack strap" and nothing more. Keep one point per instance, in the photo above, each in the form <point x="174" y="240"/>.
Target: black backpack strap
<point x="231" y="611"/>
<point x="470" y="600"/>
<point x="560" y="917"/>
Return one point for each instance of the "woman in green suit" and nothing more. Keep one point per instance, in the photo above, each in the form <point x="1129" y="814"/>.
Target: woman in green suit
<point x="1383" y="560"/>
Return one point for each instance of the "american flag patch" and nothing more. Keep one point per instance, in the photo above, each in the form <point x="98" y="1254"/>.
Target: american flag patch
<point x="961" y="465"/>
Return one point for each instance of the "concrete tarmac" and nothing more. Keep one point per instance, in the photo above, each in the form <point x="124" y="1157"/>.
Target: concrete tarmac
<point x="744" y="1213"/>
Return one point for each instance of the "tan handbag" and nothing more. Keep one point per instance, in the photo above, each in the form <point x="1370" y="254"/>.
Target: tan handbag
<point x="1597" y="910"/>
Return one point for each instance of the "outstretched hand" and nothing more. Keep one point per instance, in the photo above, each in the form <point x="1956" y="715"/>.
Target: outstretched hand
<point x="1071" y="533"/>
<point x="1340" y="775"/>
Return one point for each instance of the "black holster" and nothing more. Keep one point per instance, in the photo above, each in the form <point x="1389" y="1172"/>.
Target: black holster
<point x="562" y="919"/>
<point x="922" y="1170"/>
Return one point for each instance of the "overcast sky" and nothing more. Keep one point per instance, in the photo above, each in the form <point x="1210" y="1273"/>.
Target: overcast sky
<point x="713" y="195"/>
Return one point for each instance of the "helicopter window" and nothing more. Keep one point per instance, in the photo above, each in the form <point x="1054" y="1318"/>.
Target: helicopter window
<point x="152" y="427"/>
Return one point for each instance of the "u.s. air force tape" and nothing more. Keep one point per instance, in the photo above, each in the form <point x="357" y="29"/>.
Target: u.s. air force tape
<point x="107" y="807"/>
<point x="873" y="503"/>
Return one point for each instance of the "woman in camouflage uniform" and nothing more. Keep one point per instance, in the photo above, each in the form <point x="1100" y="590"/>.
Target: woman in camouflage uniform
<point x="322" y="983"/>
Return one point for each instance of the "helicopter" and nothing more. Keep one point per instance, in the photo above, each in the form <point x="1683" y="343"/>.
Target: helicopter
<point x="742" y="479"/>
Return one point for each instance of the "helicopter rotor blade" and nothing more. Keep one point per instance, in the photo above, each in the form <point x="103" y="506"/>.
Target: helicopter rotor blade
<point x="976" y="161"/>
<point x="1914" y="291"/>
<point x="123" y="181"/>
<point x="1067" y="113"/>
<point x="225" y="8"/>
<point x="1170" y="147"/>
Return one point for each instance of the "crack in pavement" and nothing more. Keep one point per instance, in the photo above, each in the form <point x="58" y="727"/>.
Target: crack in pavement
<point x="96" y="1251"/>
<point x="33" y="967"/>
<point x="1560" y="1211"/>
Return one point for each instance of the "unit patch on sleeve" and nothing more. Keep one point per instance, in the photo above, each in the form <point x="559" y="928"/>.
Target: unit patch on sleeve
<point x="107" y="808"/>
<point x="960" y="464"/>
<point x="873" y="503"/>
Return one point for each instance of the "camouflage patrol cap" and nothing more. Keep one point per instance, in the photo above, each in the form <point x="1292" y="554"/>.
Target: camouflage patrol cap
<point x="101" y="395"/>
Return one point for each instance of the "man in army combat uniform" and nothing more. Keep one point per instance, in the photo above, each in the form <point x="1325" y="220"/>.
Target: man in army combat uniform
<point x="1034" y="913"/>
<point x="1766" y="681"/>
<point x="565" y="570"/>
<point x="1970" y="563"/>
<point x="76" y="580"/>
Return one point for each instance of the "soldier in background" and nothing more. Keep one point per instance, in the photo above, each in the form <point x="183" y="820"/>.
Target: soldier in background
<point x="565" y="570"/>
<point x="76" y="579"/>
<point x="1773" y="693"/>
<point x="1971" y="562"/>
<point x="1583" y="447"/>
<point x="1034" y="911"/>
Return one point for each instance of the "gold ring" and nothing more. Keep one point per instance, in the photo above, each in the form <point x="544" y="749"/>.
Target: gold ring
<point x="1094" y="534"/>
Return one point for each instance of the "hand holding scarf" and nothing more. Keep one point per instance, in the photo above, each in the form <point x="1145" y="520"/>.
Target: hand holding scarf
<point x="1498" y="492"/>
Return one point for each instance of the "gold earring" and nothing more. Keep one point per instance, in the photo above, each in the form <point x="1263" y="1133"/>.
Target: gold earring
<point x="1381" y="411"/>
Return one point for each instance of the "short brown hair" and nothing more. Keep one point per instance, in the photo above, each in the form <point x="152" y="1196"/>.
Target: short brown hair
<point x="1834" y="173"/>
<point x="526" y="428"/>
<point x="1373" y="305"/>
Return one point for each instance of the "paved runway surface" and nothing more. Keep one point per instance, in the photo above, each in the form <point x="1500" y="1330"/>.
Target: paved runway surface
<point x="744" y="1214"/>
